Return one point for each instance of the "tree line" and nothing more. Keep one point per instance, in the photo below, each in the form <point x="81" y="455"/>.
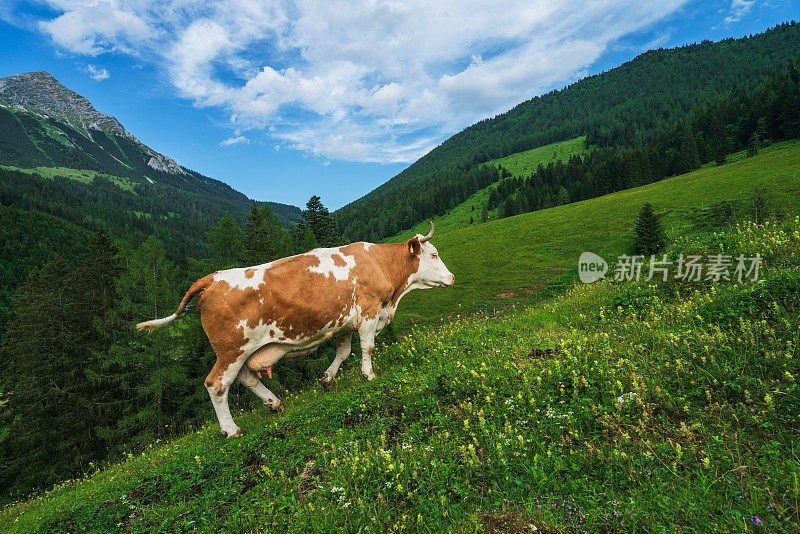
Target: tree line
<point x="752" y="115"/>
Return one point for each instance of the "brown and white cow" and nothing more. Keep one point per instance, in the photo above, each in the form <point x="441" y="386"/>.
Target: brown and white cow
<point x="255" y="316"/>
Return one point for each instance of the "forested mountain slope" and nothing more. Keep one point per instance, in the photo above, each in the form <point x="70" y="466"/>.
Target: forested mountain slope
<point x="44" y="124"/>
<point x="625" y="107"/>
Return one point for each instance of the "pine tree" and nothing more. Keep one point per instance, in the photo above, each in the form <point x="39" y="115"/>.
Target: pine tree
<point x="720" y="155"/>
<point x="308" y="241"/>
<point x="265" y="238"/>
<point x="689" y="158"/>
<point x="322" y="223"/>
<point x="753" y="145"/>
<point x="51" y="435"/>
<point x="225" y="243"/>
<point x="563" y="196"/>
<point x="649" y="237"/>
<point x="143" y="370"/>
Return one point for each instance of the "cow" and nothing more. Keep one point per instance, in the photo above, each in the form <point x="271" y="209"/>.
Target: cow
<point x="254" y="316"/>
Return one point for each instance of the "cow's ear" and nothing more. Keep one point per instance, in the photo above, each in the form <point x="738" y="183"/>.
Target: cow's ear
<point x="414" y="246"/>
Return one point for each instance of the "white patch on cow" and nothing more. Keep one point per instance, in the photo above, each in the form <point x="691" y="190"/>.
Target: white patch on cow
<point x="237" y="278"/>
<point x="258" y="336"/>
<point x="367" y="245"/>
<point x="326" y="265"/>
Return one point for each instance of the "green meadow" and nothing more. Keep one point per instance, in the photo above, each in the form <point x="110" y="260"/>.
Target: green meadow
<point x="518" y="256"/>
<point x="79" y="175"/>
<point x="525" y="163"/>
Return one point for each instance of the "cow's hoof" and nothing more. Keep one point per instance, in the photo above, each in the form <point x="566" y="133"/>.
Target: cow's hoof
<point x="235" y="432"/>
<point x="275" y="406"/>
<point x="370" y="376"/>
<point x="326" y="382"/>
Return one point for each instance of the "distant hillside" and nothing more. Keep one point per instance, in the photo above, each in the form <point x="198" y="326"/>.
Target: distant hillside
<point x="624" y="107"/>
<point x="498" y="262"/>
<point x="519" y="165"/>
<point x="44" y="124"/>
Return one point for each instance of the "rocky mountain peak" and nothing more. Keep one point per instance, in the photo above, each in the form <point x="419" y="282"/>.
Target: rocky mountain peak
<point x="39" y="92"/>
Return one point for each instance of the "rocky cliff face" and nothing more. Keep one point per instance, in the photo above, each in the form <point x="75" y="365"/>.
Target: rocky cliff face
<point x="40" y="94"/>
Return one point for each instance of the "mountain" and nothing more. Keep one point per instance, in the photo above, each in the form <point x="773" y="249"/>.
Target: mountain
<point x="44" y="124"/>
<point x="625" y="107"/>
<point x="67" y="170"/>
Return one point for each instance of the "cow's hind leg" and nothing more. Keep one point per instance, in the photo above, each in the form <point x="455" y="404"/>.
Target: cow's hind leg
<point x="218" y="383"/>
<point x="250" y="380"/>
<point x="366" y="335"/>
<point x="343" y="346"/>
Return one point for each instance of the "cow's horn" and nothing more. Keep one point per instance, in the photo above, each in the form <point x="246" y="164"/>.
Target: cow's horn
<point x="430" y="235"/>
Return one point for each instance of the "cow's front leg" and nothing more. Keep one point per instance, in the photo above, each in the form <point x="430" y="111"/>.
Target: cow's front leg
<point x="343" y="346"/>
<point x="367" y="336"/>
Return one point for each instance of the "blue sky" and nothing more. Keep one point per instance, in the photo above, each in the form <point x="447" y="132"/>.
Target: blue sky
<point x="283" y="100"/>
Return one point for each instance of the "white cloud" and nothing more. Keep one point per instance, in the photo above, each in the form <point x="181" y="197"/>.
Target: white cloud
<point x="94" y="27"/>
<point x="738" y="9"/>
<point x="380" y="81"/>
<point x="97" y="74"/>
<point x="235" y="141"/>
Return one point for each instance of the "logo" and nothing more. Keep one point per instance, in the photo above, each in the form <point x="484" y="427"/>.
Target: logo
<point x="591" y="267"/>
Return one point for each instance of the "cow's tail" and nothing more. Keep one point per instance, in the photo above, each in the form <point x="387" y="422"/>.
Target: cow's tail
<point x="196" y="288"/>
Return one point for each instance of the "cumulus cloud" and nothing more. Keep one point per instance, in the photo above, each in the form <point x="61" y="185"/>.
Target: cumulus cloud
<point x="738" y="9"/>
<point x="97" y="74"/>
<point x="369" y="81"/>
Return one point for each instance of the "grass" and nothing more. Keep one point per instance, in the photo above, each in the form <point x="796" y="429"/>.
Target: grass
<point x="79" y="175"/>
<point x="525" y="163"/>
<point x="520" y="164"/>
<point x="614" y="408"/>
<point x="499" y="262"/>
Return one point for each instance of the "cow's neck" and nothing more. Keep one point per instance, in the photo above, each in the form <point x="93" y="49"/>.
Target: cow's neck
<point x="399" y="267"/>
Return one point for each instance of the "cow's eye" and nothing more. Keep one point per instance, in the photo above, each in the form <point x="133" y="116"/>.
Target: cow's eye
<point x="434" y="255"/>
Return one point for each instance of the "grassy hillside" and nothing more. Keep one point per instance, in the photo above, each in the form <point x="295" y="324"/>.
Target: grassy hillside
<point x="524" y="163"/>
<point x="520" y="254"/>
<point x="521" y="164"/>
<point x="616" y="408"/>
<point x="82" y="176"/>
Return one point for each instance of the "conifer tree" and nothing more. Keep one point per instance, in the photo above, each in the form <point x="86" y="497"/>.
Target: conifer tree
<point x="322" y="223"/>
<point x="306" y="240"/>
<point x="689" y="158"/>
<point x="649" y="237"/>
<point x="753" y="145"/>
<point x="225" y="243"/>
<point x="265" y="238"/>
<point x="142" y="370"/>
<point x="50" y="436"/>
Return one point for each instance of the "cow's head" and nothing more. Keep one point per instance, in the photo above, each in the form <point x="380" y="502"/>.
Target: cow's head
<point x="432" y="271"/>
